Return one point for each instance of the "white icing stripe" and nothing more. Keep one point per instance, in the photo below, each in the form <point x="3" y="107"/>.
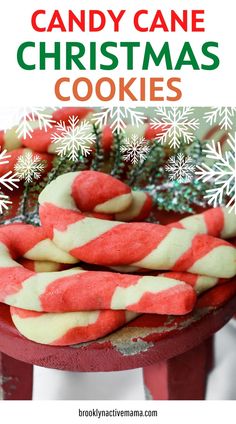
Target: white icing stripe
<point x="49" y="327"/>
<point x="118" y="203"/>
<point x="6" y="260"/>
<point x="82" y="232"/>
<point x="46" y="250"/>
<point x="195" y="223"/>
<point x="204" y="283"/>
<point x="139" y="198"/>
<point x="211" y="263"/>
<point x="44" y="266"/>
<point x="229" y="229"/>
<point x="125" y="296"/>
<point x="60" y="191"/>
<point x="171" y="248"/>
<point x="129" y="315"/>
<point x="11" y="141"/>
<point x="34" y="287"/>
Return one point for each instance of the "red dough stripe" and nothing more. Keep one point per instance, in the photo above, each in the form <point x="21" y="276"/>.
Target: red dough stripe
<point x="187" y="277"/>
<point x="86" y="291"/>
<point x="11" y="279"/>
<point x="90" y="189"/>
<point x="177" y="299"/>
<point x="14" y="236"/>
<point x="123" y="244"/>
<point x="107" y="322"/>
<point x="214" y="219"/>
<point x="64" y="113"/>
<point x="24" y="313"/>
<point x="201" y="245"/>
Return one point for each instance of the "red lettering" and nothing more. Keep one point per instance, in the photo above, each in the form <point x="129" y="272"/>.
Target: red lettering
<point x="34" y="20"/>
<point x="116" y="19"/>
<point x="196" y="20"/>
<point x="161" y="24"/>
<point x="92" y="25"/>
<point x="56" y="22"/>
<point x="136" y="21"/>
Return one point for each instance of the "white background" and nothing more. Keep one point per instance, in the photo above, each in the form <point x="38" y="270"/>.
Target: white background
<point x="200" y="88"/>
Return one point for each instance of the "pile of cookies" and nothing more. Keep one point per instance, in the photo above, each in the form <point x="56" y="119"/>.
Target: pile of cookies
<point x="128" y="267"/>
<point x="94" y="264"/>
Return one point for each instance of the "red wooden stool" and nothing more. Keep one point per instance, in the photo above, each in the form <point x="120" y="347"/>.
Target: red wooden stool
<point x="174" y="352"/>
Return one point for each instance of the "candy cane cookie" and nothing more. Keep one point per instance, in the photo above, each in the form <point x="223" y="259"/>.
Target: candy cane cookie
<point x="139" y="209"/>
<point x="217" y="222"/>
<point x="16" y="154"/>
<point x="79" y="290"/>
<point x="150" y="246"/>
<point x="91" y="191"/>
<point x="200" y="283"/>
<point x="24" y="240"/>
<point x="68" y="328"/>
<point x="42" y="266"/>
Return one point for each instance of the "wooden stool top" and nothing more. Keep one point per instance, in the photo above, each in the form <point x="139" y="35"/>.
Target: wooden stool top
<point x="144" y="341"/>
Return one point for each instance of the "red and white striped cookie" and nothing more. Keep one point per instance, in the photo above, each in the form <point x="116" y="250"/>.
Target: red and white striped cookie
<point x="150" y="246"/>
<point x="24" y="240"/>
<point x="217" y="222"/>
<point x="40" y="140"/>
<point x="42" y="266"/>
<point x="17" y="153"/>
<point x="139" y="209"/>
<point x="91" y="191"/>
<point x="79" y="290"/>
<point x="200" y="283"/>
<point x="68" y="328"/>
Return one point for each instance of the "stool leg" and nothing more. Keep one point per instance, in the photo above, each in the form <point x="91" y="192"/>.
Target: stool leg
<point x="180" y="378"/>
<point x="16" y="379"/>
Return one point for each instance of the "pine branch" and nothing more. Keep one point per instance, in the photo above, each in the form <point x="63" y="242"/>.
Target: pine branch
<point x="98" y="157"/>
<point x="118" y="164"/>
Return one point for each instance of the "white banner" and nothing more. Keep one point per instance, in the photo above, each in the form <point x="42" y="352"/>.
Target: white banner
<point x="151" y="412"/>
<point x="127" y="53"/>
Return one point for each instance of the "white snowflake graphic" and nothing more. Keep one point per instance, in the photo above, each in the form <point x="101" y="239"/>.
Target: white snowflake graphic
<point x="222" y="115"/>
<point x="27" y="118"/>
<point x="222" y="173"/>
<point x="73" y="139"/>
<point x="180" y="168"/>
<point x="118" y="118"/>
<point x="174" y="124"/>
<point x="29" y="167"/>
<point x="134" y="149"/>
<point x="7" y="180"/>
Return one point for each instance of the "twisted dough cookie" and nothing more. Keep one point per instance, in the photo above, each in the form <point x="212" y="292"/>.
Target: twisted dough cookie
<point x="79" y="290"/>
<point x="108" y="243"/>
<point x="217" y="222"/>
<point x="76" y="289"/>
<point x="24" y="240"/>
<point x="77" y="327"/>
<point x="40" y="140"/>
<point x="70" y="327"/>
<point x="16" y="154"/>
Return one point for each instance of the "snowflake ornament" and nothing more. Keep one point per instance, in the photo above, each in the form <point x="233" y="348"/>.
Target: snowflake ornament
<point x="222" y="173"/>
<point x="4" y="203"/>
<point x="29" y="167"/>
<point x="118" y="118"/>
<point x="27" y="118"/>
<point x="134" y="149"/>
<point x="180" y="168"/>
<point x="7" y="180"/>
<point x="174" y="124"/>
<point x="222" y="115"/>
<point x="74" y="139"/>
